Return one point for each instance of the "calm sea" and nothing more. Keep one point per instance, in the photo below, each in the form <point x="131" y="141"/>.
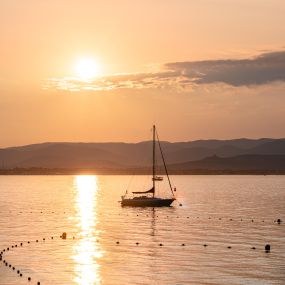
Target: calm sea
<point x="108" y="244"/>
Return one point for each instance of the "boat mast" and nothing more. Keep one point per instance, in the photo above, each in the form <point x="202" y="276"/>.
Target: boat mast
<point x="153" y="160"/>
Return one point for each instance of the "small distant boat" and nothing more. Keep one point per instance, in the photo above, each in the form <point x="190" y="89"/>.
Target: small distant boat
<point x="148" y="198"/>
<point x="157" y="178"/>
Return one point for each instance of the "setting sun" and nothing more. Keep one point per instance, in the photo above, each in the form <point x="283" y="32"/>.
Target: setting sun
<point x="87" y="68"/>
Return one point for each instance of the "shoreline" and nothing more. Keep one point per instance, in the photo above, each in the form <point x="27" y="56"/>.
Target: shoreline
<point x="80" y="171"/>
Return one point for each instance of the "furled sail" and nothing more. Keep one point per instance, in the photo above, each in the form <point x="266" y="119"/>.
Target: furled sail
<point x="145" y="192"/>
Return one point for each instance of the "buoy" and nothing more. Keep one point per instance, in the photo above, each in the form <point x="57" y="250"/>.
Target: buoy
<point x="279" y="221"/>
<point x="21" y="244"/>
<point x="37" y="241"/>
<point x="51" y="237"/>
<point x="10" y="265"/>
<point x="137" y="243"/>
<point x="21" y="274"/>
<point x="229" y="247"/>
<point x="267" y="247"/>
<point x="183" y="244"/>
<point x="18" y="271"/>
<point x="28" y="242"/>
<point x="180" y="205"/>
<point x="29" y="278"/>
<point x="205" y="245"/>
<point x="117" y="242"/>
<point x="63" y="236"/>
<point x="39" y="283"/>
<point x="44" y="239"/>
<point x="13" y="268"/>
<point x="253" y="247"/>
<point x="160" y="244"/>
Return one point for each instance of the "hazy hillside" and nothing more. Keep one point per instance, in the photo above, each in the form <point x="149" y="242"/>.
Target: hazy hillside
<point x="241" y="162"/>
<point x="122" y="155"/>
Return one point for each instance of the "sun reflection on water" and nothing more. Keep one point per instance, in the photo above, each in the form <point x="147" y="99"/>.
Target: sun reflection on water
<point x="87" y="251"/>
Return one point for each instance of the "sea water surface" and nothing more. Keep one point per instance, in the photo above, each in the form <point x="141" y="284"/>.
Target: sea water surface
<point x="210" y="239"/>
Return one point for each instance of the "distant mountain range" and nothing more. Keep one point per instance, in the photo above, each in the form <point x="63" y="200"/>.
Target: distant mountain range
<point x="237" y="154"/>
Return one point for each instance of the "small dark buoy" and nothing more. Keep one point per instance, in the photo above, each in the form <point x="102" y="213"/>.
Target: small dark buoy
<point x="205" y="245"/>
<point x="21" y="274"/>
<point x="39" y="283"/>
<point x="117" y="242"/>
<point x="253" y="247"/>
<point x="51" y="237"/>
<point x="267" y="247"/>
<point x="137" y="243"/>
<point x="13" y="268"/>
<point x="229" y="246"/>
<point x="37" y="240"/>
<point x="12" y="246"/>
<point x="18" y="271"/>
<point x="16" y="245"/>
<point x="183" y="244"/>
<point x="10" y="265"/>
<point x="7" y="248"/>
<point x="231" y="219"/>
<point x="160" y="244"/>
<point x="180" y="205"/>
<point x="44" y="239"/>
<point x="252" y="221"/>
<point x="63" y="236"/>
<point x="28" y="242"/>
<point x="21" y="244"/>
<point x="29" y="278"/>
<point x="279" y="221"/>
<point x="187" y="217"/>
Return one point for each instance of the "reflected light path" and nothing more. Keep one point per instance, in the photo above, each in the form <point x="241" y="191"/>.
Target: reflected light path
<point x="87" y="252"/>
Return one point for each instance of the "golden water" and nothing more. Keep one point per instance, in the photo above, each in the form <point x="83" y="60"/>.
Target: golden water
<point x="220" y="211"/>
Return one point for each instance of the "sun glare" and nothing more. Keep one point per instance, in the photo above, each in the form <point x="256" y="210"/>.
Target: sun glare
<point x="87" y="68"/>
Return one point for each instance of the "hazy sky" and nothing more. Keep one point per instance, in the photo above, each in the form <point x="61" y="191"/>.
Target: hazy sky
<point x="198" y="69"/>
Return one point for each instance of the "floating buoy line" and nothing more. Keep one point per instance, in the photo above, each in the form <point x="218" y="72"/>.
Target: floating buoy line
<point x="236" y="219"/>
<point x="63" y="236"/>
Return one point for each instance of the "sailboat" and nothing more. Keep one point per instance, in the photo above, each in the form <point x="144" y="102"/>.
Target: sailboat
<point x="148" y="198"/>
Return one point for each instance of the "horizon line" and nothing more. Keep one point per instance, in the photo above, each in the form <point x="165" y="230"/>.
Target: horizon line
<point x="138" y="142"/>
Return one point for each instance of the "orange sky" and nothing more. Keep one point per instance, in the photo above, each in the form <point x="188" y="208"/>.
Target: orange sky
<point x="138" y="45"/>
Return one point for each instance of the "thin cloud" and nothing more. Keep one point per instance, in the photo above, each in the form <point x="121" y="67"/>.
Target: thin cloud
<point x="263" y="69"/>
